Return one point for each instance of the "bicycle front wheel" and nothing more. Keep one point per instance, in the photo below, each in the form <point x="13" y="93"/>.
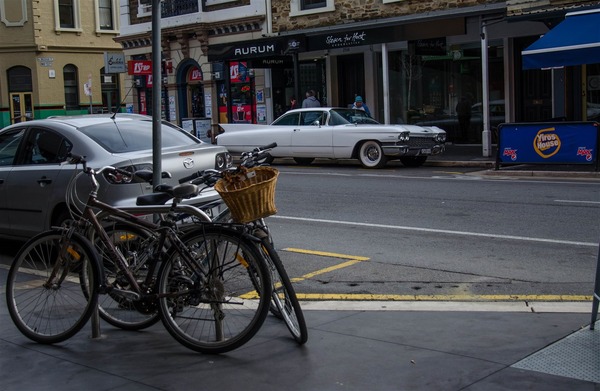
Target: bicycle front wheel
<point x="218" y="299"/>
<point x="285" y="304"/>
<point x="52" y="287"/>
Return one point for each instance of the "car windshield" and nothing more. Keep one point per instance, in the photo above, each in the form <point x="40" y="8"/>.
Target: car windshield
<point x="350" y="116"/>
<point x="128" y="136"/>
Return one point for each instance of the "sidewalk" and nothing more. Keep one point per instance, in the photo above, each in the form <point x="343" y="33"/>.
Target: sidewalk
<point x="353" y="346"/>
<point x="472" y="156"/>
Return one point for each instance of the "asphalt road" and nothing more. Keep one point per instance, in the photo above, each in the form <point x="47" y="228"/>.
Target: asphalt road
<point x="432" y="233"/>
<point x="399" y="233"/>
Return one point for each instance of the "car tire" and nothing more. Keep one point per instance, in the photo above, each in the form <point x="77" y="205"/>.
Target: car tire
<point x="304" y="161"/>
<point x="371" y="155"/>
<point x="413" y="161"/>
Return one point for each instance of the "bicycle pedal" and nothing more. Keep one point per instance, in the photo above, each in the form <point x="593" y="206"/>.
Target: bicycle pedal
<point x="129" y="295"/>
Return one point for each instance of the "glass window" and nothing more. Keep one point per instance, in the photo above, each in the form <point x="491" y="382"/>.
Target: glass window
<point x="47" y="147"/>
<point x="105" y="13"/>
<point x="128" y="136"/>
<point x="71" y="87"/>
<point x="312" y="4"/>
<point x="9" y="143"/>
<point x="66" y="12"/>
<point x="309" y="117"/>
<point x="288" y="120"/>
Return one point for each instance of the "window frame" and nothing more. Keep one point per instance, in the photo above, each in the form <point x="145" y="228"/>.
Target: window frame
<point x="296" y="8"/>
<point x="76" y="18"/>
<point x="114" y="13"/>
<point x="68" y="104"/>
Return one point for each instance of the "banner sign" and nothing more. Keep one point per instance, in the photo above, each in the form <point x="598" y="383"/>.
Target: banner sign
<point x="139" y="67"/>
<point x="549" y="142"/>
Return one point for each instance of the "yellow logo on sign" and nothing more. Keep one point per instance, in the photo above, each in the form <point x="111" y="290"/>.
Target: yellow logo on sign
<point x="546" y="143"/>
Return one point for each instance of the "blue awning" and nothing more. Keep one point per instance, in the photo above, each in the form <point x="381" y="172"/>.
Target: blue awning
<point x="574" y="41"/>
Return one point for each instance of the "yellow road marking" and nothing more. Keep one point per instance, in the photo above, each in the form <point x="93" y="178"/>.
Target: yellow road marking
<point x="386" y="297"/>
<point x="352" y="261"/>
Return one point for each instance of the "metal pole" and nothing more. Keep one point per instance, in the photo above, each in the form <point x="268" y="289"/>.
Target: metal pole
<point x="156" y="94"/>
<point x="386" y="83"/>
<point x="596" y="298"/>
<point x="486" y="135"/>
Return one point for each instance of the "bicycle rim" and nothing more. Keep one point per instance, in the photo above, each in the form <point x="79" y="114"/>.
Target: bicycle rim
<point x="285" y="304"/>
<point x="222" y="303"/>
<point x="122" y="311"/>
<point x="51" y="297"/>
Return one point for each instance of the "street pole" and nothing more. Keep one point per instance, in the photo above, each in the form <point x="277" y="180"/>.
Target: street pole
<point x="486" y="135"/>
<point x="156" y="95"/>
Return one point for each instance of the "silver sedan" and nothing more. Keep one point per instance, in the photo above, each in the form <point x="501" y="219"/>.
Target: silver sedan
<point x="34" y="177"/>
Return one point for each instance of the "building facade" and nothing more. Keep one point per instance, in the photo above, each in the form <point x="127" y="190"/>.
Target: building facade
<point x="412" y="61"/>
<point x="52" y="58"/>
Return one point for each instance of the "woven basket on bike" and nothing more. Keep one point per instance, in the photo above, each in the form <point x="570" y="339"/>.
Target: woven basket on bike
<point x="250" y="193"/>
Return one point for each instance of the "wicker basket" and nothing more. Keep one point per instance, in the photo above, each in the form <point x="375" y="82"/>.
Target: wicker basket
<point x="249" y="195"/>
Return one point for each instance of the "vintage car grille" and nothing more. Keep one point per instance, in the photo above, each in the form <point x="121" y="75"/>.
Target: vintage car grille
<point x="421" y="142"/>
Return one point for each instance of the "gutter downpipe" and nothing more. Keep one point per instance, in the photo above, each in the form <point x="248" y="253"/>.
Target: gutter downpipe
<point x="486" y="135"/>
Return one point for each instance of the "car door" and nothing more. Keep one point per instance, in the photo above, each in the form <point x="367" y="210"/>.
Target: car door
<point x="9" y="144"/>
<point x="33" y="187"/>
<point x="312" y="138"/>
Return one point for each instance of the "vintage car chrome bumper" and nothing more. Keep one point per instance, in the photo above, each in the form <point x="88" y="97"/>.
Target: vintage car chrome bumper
<point x="407" y="150"/>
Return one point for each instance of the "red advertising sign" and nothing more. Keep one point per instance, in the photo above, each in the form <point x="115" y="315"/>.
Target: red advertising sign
<point x="139" y="67"/>
<point x="196" y="74"/>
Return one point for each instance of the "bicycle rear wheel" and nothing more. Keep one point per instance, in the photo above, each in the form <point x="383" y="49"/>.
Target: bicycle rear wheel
<point x="52" y="287"/>
<point x="285" y="304"/>
<point x="217" y="301"/>
<point x="137" y="246"/>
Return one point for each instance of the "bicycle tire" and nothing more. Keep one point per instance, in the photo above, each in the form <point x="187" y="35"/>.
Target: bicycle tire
<point x="136" y="245"/>
<point x="284" y="303"/>
<point x="52" y="311"/>
<point x="216" y="308"/>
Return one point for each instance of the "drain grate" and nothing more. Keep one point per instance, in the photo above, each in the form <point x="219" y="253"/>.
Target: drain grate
<point x="576" y="356"/>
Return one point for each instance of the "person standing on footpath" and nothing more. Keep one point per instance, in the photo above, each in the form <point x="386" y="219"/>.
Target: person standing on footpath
<point x="293" y="103"/>
<point x="463" y="112"/>
<point x="311" y="100"/>
<point x="360" y="105"/>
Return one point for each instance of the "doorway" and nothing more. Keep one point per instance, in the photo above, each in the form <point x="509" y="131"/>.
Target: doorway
<point x="351" y="78"/>
<point x="21" y="107"/>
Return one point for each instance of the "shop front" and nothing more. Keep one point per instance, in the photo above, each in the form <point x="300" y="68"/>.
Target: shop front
<point x="243" y="94"/>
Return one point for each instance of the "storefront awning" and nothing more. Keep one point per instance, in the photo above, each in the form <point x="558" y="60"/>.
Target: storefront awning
<point x="574" y="41"/>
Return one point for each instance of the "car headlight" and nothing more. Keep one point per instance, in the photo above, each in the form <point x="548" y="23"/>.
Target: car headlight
<point x="440" y="137"/>
<point x="223" y="160"/>
<point x="403" y="136"/>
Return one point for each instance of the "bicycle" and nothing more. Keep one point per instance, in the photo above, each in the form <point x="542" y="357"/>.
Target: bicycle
<point x="284" y="304"/>
<point x="212" y="288"/>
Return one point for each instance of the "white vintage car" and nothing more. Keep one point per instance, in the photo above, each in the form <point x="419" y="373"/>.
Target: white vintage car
<point x="336" y="133"/>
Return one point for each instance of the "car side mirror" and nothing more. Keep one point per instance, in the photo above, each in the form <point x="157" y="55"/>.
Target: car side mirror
<point x="316" y="123"/>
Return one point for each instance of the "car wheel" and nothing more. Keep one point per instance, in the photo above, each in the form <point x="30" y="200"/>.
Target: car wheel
<point x="413" y="161"/>
<point x="304" y="161"/>
<point x="371" y="155"/>
<point x="61" y="217"/>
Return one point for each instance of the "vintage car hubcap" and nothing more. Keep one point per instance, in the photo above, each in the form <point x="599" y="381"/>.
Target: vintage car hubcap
<point x="373" y="154"/>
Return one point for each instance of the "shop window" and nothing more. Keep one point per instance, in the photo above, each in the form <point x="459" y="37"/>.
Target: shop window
<point x="68" y="15"/>
<point x="106" y="15"/>
<point x="71" y="87"/>
<point x="304" y="7"/>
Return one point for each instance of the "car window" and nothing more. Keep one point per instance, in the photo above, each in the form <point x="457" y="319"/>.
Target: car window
<point x="46" y="147"/>
<point x="128" y="136"/>
<point x="309" y="117"/>
<point x="292" y="119"/>
<point x="9" y="143"/>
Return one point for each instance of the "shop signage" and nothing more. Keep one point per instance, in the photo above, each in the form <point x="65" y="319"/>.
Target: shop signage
<point x="271" y="62"/>
<point x="259" y="48"/>
<point x="139" y="67"/>
<point x="426" y="32"/>
<point x="567" y="143"/>
<point x="114" y="62"/>
<point x="195" y="74"/>
<point x="430" y="47"/>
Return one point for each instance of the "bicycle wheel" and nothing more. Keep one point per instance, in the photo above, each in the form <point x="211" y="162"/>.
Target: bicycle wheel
<point x="49" y="296"/>
<point x="218" y="300"/>
<point x="122" y="310"/>
<point x="284" y="304"/>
